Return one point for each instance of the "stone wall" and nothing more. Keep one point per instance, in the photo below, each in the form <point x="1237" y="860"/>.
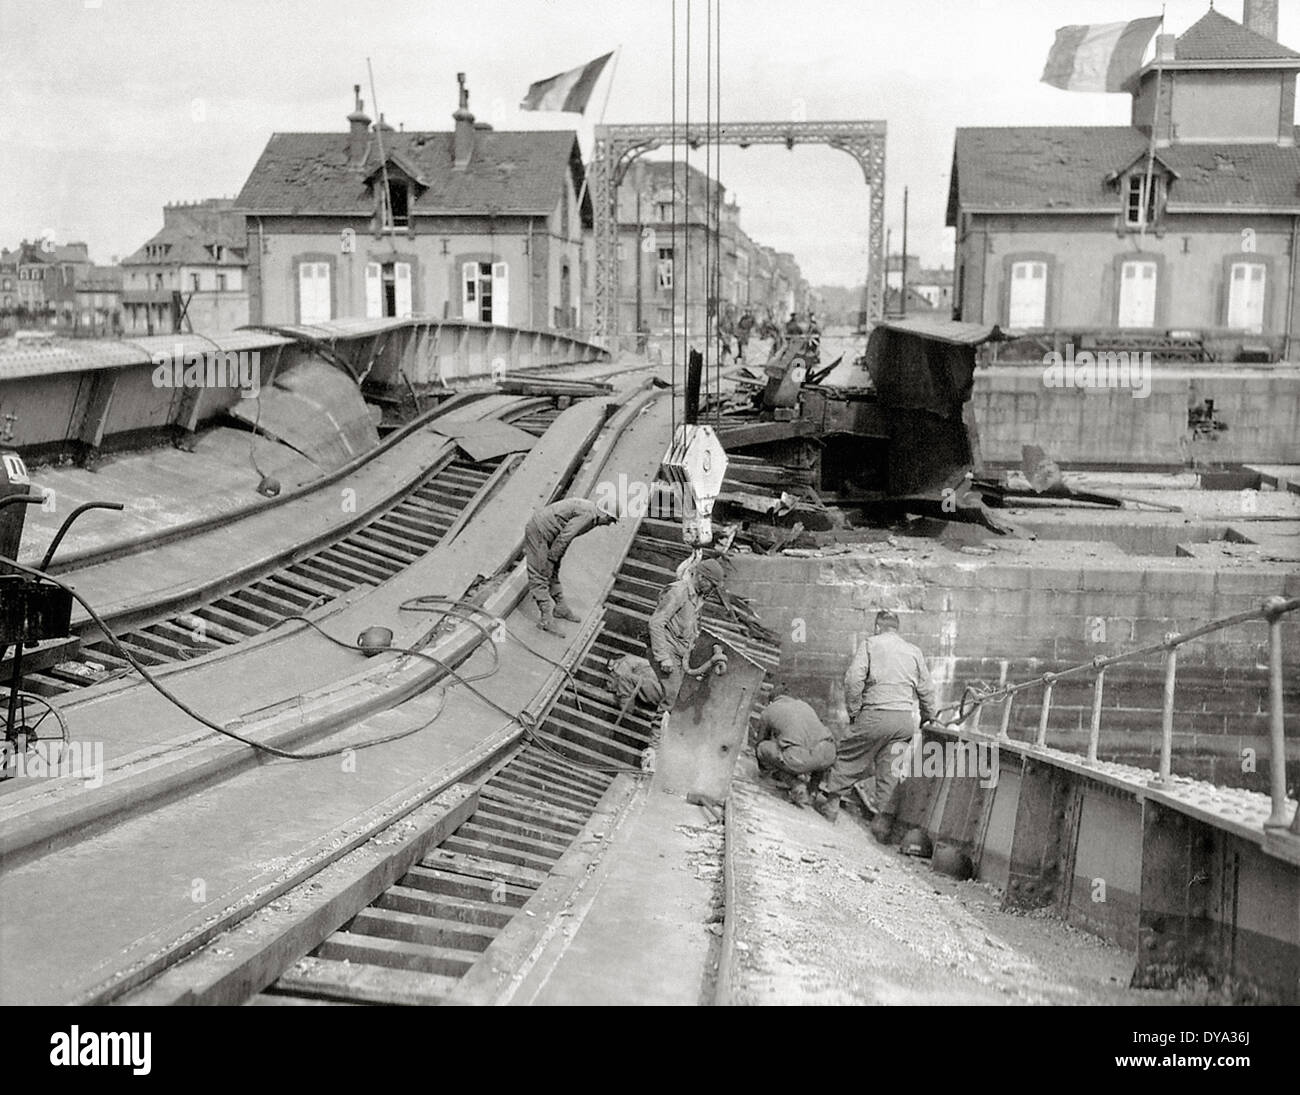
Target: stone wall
<point x="979" y="619"/>
<point x="1260" y="405"/>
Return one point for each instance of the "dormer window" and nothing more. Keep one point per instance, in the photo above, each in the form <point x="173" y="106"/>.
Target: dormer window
<point x="1142" y="201"/>
<point x="398" y="213"/>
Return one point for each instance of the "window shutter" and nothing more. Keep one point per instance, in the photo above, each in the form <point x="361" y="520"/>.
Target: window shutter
<point x="500" y="294"/>
<point x="374" y="290"/>
<point x="402" y="287"/>
<point x="313" y="292"/>
<point x="469" y="291"/>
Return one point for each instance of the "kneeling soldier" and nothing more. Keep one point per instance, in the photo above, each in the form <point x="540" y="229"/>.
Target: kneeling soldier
<point x="794" y="745"/>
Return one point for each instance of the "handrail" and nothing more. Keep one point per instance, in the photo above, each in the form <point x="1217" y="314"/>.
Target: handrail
<point x="1271" y="610"/>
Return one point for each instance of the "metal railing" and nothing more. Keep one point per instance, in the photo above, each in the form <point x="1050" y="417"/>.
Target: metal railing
<point x="1272" y="611"/>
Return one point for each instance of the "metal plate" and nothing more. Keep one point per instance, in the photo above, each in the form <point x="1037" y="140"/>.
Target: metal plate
<point x="316" y="409"/>
<point x="485" y="439"/>
<point x="708" y="726"/>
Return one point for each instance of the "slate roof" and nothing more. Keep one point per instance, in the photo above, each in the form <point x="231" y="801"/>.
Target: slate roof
<point x="508" y="173"/>
<point x="1063" y="169"/>
<point x="188" y="240"/>
<point x="1215" y="37"/>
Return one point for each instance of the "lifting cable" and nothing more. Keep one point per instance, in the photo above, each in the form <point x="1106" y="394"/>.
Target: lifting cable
<point x="672" y="294"/>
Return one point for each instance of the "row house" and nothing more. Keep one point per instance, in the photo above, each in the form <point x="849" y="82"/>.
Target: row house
<point x="191" y="275"/>
<point x="99" y="311"/>
<point x="1184" y="222"/>
<point x="471" y="224"/>
<point x="38" y="280"/>
<point x="683" y="255"/>
<point x="668" y="222"/>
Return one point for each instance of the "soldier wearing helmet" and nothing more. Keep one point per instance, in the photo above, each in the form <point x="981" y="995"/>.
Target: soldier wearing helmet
<point x="547" y="537"/>
<point x="675" y="626"/>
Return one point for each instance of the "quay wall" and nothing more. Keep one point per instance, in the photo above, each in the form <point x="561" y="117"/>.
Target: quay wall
<point x="988" y="620"/>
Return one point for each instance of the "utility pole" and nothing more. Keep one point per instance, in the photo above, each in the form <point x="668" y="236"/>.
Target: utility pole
<point x="639" y="244"/>
<point x="889" y="244"/>
<point x="902" y="284"/>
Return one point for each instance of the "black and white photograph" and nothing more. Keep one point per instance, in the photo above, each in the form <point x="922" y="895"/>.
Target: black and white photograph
<point x="655" y="503"/>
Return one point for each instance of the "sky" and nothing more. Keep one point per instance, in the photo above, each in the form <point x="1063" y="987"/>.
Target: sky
<point x="111" y="108"/>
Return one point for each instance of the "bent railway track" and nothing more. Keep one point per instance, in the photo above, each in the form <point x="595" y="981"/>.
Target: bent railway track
<point x="413" y="942"/>
<point x="394" y="538"/>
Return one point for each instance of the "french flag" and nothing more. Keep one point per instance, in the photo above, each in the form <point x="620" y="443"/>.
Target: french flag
<point x="569" y="91"/>
<point x="1099" y="57"/>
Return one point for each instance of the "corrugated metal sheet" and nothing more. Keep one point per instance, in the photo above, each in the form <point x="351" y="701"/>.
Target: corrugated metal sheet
<point x="22" y="358"/>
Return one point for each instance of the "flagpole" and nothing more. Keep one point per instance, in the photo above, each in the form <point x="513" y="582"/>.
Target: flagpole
<point x="586" y="170"/>
<point x="613" y="71"/>
<point x="1147" y="202"/>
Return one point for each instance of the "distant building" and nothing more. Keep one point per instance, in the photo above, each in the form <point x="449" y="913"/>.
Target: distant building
<point x="99" y="302"/>
<point x="691" y="258"/>
<point x="668" y="221"/>
<point x="37" y="283"/>
<point x="894" y="270"/>
<point x="469" y="224"/>
<point x="190" y="276"/>
<point x="1057" y="228"/>
<point x="934" y="287"/>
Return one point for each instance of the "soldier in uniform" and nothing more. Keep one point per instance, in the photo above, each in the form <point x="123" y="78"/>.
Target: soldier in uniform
<point x="675" y="625"/>
<point x="885" y="680"/>
<point x="547" y="537"/>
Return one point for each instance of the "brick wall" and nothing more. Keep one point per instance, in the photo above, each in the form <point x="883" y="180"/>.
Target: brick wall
<point x="969" y="617"/>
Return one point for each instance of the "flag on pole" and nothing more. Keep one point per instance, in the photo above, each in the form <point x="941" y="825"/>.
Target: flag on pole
<point x="569" y="91"/>
<point x="1099" y="57"/>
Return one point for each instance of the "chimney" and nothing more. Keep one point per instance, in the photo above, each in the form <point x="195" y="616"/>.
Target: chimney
<point x="1165" y="46"/>
<point x="1261" y="17"/>
<point x="462" y="141"/>
<point x="359" y="127"/>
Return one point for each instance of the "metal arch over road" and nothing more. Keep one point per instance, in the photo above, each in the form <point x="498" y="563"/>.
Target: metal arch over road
<point x="618" y="145"/>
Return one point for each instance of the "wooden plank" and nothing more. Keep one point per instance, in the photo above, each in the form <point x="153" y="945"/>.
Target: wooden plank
<point x="399" y="954"/>
<point x="496" y="976"/>
<point x="403" y="913"/>
<point x="474" y="890"/>
<point x="493" y="851"/>
<point x="477" y="867"/>
<point x="367" y="984"/>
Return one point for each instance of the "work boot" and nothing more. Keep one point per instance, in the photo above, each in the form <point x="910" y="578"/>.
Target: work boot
<point x="869" y="808"/>
<point x="564" y="612"/>
<point x="547" y="622"/>
<point x="799" y="795"/>
<point x="828" y="806"/>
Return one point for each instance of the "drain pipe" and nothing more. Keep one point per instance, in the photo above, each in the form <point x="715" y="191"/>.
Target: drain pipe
<point x="1290" y="287"/>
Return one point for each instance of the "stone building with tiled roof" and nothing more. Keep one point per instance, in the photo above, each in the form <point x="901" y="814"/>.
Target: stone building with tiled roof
<point x="469" y="224"/>
<point x="1103" y="229"/>
<point x="190" y="276"/>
